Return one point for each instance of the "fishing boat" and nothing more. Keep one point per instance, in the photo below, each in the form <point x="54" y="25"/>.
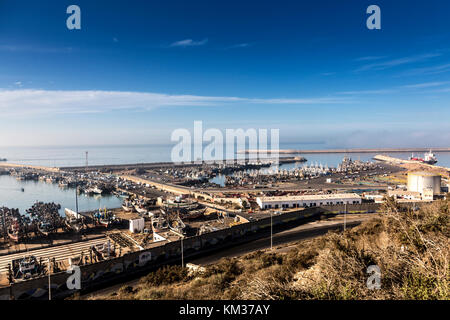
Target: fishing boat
<point x="140" y="209"/>
<point x="26" y="267"/>
<point x="104" y="219"/>
<point x="45" y="228"/>
<point x="194" y="214"/>
<point x="63" y="184"/>
<point x="13" y="235"/>
<point x="74" y="224"/>
<point x="14" y="232"/>
<point x="159" y="224"/>
<point x="97" y="190"/>
<point x="177" y="226"/>
<point x="127" y="205"/>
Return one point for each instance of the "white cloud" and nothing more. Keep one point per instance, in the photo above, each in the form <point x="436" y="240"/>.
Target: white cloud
<point x="425" y="85"/>
<point x="397" y="62"/>
<point x="34" y="101"/>
<point x="370" y="58"/>
<point x="428" y="70"/>
<point x="380" y="91"/>
<point x="189" y="43"/>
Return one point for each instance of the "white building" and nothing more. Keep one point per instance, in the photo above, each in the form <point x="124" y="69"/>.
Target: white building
<point x="137" y="225"/>
<point x="314" y="200"/>
<point x="424" y="182"/>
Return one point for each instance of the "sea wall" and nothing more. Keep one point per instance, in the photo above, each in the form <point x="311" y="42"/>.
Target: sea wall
<point x="143" y="261"/>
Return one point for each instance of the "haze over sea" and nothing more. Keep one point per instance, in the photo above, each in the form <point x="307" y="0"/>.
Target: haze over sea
<point x="63" y="156"/>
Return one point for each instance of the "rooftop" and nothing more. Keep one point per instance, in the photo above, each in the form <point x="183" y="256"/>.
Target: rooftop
<point x="423" y="173"/>
<point x="333" y="196"/>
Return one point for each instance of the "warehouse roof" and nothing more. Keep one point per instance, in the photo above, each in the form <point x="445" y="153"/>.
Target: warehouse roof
<point x="333" y="196"/>
<point x="423" y="173"/>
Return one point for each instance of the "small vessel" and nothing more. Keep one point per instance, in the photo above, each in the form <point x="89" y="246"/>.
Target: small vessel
<point x="194" y="214"/>
<point x="177" y="226"/>
<point x="74" y="224"/>
<point x="97" y="190"/>
<point x="140" y="209"/>
<point x="63" y="184"/>
<point x="14" y="231"/>
<point x="127" y="205"/>
<point x="45" y="228"/>
<point x="429" y="158"/>
<point x="104" y="219"/>
<point x="26" y="267"/>
<point x="159" y="224"/>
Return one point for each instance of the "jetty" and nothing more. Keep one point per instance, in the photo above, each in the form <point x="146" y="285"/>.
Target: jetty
<point x="377" y="150"/>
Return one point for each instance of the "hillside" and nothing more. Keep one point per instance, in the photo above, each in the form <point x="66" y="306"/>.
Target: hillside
<point x="410" y="247"/>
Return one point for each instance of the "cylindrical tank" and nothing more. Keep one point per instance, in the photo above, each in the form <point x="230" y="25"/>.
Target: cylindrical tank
<point x="418" y="181"/>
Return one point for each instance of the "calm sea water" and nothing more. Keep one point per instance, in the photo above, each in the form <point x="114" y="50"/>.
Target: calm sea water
<point x="12" y="196"/>
<point x="10" y="188"/>
<point x="97" y="155"/>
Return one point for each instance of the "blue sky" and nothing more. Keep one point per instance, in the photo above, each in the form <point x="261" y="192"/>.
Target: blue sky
<point x="139" y="69"/>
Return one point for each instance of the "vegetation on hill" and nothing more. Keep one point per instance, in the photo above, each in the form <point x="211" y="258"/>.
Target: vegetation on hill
<point x="411" y="248"/>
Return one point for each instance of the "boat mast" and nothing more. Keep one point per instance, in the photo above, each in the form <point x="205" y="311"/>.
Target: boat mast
<point x="76" y="199"/>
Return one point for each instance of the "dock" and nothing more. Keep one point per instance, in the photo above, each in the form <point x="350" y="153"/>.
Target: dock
<point x="377" y="150"/>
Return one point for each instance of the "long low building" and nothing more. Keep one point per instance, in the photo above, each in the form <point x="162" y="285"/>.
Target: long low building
<point x="313" y="200"/>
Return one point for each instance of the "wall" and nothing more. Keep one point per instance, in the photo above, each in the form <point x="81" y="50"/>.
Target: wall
<point x="141" y="261"/>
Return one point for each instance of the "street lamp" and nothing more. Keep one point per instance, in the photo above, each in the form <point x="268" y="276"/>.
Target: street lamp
<point x="49" y="284"/>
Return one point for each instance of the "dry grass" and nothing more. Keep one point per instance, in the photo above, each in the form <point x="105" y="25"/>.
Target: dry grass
<point x="410" y="247"/>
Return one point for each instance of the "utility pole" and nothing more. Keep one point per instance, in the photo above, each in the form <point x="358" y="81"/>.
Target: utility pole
<point x="49" y="282"/>
<point x="345" y="217"/>
<point x="182" y="253"/>
<point x="76" y="199"/>
<point x="271" y="231"/>
<point x="87" y="163"/>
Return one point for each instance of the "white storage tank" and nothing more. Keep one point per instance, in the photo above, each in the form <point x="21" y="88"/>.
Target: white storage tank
<point x="421" y="181"/>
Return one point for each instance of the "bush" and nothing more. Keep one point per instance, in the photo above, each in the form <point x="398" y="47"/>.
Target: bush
<point x="166" y="275"/>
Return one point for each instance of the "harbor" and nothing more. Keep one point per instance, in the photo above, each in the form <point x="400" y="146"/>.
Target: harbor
<point x="98" y="214"/>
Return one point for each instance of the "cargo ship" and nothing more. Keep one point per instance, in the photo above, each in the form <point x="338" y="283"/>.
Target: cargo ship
<point x="428" y="158"/>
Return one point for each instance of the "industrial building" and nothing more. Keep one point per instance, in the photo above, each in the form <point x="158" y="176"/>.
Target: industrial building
<point x="426" y="183"/>
<point x="307" y="200"/>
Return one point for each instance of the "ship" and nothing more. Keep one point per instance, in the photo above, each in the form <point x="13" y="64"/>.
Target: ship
<point x="104" y="219"/>
<point x="14" y="232"/>
<point x="159" y="224"/>
<point x="94" y="190"/>
<point x="45" y="228"/>
<point x="127" y="205"/>
<point x="428" y="158"/>
<point x="26" y="267"/>
<point x="74" y="224"/>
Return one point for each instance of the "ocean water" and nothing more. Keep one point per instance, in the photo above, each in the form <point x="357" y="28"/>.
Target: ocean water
<point x="10" y="188"/>
<point x="11" y="196"/>
<point x="120" y="154"/>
